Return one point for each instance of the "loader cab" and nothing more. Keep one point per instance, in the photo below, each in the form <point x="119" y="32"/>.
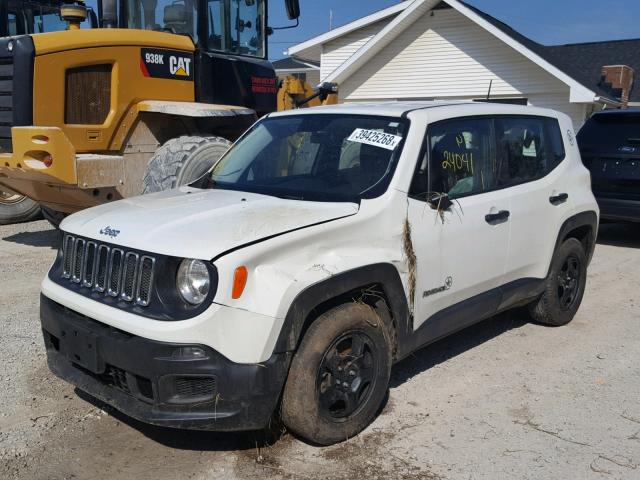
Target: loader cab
<point x="26" y="17"/>
<point x="231" y="66"/>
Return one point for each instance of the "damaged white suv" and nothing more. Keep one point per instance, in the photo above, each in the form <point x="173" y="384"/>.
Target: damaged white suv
<point x="326" y="245"/>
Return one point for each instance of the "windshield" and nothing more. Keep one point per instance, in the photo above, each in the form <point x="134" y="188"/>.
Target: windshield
<point x="24" y="17"/>
<point x="172" y="16"/>
<point x="611" y="130"/>
<point x="317" y="157"/>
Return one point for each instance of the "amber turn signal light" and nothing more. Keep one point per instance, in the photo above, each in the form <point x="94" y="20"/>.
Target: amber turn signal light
<point x="239" y="282"/>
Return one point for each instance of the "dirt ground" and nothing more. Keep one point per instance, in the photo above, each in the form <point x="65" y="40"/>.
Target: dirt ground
<point x="504" y="399"/>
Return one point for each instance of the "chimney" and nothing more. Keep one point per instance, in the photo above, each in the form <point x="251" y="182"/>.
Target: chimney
<point x="620" y="79"/>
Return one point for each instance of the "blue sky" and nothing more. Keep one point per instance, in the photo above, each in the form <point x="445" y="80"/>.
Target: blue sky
<point x="549" y="22"/>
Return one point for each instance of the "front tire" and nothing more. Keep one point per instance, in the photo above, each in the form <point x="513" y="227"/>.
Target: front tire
<point x="564" y="286"/>
<point x="181" y="161"/>
<point x="16" y="208"/>
<point x="339" y="375"/>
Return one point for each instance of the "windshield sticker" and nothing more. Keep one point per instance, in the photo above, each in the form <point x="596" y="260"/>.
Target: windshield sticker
<point x="377" y="139"/>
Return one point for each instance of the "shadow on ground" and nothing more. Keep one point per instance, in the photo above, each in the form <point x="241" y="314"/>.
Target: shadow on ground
<point x="457" y="344"/>
<point x="415" y="364"/>
<point x="45" y="238"/>
<point x="191" y="440"/>
<point x="619" y="235"/>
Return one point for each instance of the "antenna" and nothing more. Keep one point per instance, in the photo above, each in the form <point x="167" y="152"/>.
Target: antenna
<point x="489" y="92"/>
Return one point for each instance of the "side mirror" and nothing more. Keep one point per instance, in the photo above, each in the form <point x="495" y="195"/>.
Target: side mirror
<point x="109" y="13"/>
<point x="439" y="201"/>
<point x="293" y="9"/>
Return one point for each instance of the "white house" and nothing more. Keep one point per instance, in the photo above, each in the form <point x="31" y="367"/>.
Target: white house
<point x="448" y="49"/>
<point x="306" y="71"/>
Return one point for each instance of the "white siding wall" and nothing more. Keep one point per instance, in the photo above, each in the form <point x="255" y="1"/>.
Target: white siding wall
<point x="446" y="56"/>
<point x="336" y="52"/>
<point x="560" y="101"/>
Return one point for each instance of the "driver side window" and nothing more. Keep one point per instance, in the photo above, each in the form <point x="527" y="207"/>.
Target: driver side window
<point x="459" y="159"/>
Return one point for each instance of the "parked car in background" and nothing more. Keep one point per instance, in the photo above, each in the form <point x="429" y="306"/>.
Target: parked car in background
<point x="325" y="246"/>
<point x="610" y="148"/>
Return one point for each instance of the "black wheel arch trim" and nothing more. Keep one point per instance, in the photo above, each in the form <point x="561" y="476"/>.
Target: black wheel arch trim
<point x="300" y="312"/>
<point x="583" y="219"/>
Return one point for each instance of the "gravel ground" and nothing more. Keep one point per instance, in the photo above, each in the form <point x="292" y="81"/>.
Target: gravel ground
<point x="503" y="399"/>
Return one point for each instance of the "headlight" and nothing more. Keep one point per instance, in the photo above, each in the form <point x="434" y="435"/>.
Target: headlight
<point x="193" y="281"/>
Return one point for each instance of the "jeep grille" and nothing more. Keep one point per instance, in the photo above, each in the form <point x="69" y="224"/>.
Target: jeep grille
<point x="108" y="270"/>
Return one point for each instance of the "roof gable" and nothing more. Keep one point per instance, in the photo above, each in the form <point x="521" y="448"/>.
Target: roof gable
<point x="295" y="64"/>
<point x="578" y="66"/>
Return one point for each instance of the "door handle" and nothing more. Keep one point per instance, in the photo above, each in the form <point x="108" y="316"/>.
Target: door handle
<point x="559" y="199"/>
<point x="496" y="218"/>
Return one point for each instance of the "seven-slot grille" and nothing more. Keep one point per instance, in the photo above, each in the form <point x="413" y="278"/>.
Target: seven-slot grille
<point x="109" y="270"/>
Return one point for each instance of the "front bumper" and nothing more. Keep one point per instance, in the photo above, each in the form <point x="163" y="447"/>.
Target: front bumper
<point x="619" y="209"/>
<point x="160" y="383"/>
<point x="70" y="182"/>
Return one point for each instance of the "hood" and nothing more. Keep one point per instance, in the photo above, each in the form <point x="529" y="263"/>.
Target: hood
<point x="196" y="223"/>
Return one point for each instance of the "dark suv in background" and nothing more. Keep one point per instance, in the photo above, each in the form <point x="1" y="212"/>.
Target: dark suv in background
<point x="610" y="148"/>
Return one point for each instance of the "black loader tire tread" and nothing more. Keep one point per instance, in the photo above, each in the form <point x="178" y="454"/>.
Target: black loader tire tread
<point x="299" y="411"/>
<point x="546" y="309"/>
<point x="23" y="211"/>
<point x="168" y="163"/>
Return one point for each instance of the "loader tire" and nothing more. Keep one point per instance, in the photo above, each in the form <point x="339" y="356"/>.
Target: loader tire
<point x="181" y="161"/>
<point x="52" y="216"/>
<point x="16" y="208"/>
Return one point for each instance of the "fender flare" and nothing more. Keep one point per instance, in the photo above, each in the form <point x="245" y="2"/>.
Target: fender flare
<point x="384" y="274"/>
<point x="583" y="219"/>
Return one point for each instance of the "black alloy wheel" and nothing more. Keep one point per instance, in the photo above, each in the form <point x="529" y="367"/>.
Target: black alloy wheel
<point x="569" y="279"/>
<point x="347" y="375"/>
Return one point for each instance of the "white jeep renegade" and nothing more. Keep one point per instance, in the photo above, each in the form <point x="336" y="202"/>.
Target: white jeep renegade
<point x="326" y="245"/>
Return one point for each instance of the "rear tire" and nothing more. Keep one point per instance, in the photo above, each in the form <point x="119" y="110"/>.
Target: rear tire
<point x="52" y="216"/>
<point x="181" y="161"/>
<point x="339" y="375"/>
<point x="16" y="208"/>
<point x="564" y="287"/>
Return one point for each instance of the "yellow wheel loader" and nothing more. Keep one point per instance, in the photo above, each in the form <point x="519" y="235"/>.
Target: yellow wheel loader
<point x="147" y="102"/>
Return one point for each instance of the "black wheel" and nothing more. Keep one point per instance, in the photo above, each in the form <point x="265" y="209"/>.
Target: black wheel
<point x="564" y="286"/>
<point x="181" y="161"/>
<point x="16" y="208"/>
<point x="339" y="376"/>
<point x="52" y="216"/>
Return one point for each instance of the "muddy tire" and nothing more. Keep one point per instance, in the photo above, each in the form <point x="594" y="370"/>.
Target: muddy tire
<point x="564" y="286"/>
<point x="16" y="208"/>
<point x="181" y="161"/>
<point x="52" y="216"/>
<point x="339" y="375"/>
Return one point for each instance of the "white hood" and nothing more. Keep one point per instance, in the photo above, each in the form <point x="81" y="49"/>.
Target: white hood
<point x="196" y="223"/>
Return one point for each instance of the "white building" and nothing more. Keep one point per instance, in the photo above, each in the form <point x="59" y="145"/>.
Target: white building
<point x="447" y="49"/>
<point x="306" y="71"/>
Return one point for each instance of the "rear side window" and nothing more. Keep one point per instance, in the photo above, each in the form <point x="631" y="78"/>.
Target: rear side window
<point x="528" y="149"/>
